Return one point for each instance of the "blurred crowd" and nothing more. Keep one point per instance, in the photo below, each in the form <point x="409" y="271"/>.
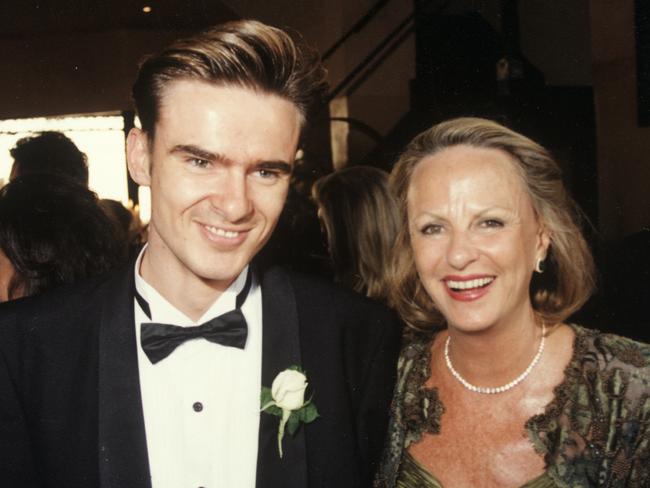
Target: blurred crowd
<point x="53" y="230"/>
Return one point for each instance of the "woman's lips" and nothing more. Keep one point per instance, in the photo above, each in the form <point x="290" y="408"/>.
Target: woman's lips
<point x="468" y="288"/>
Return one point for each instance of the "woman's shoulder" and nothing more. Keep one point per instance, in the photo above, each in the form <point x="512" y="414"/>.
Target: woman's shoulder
<point x="607" y="351"/>
<point x="614" y="365"/>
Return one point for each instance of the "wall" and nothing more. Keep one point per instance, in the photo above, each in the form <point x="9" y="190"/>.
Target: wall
<point x="623" y="147"/>
<point x="555" y="37"/>
<point x="68" y="74"/>
<point x="384" y="97"/>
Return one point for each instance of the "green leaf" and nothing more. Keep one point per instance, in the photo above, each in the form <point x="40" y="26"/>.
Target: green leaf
<point x="308" y="413"/>
<point x="266" y="406"/>
<point x="293" y="423"/>
<point x="273" y="410"/>
<point x="266" y="396"/>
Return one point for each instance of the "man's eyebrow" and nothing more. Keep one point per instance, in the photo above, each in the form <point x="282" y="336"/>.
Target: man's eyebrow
<point x="280" y="166"/>
<point x="196" y="151"/>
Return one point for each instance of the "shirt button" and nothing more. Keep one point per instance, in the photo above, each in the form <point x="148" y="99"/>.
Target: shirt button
<point x="198" y="406"/>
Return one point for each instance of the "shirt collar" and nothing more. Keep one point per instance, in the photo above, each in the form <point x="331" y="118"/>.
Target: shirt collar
<point x="163" y="311"/>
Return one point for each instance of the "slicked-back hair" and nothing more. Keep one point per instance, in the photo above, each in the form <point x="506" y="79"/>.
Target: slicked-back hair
<point x="569" y="277"/>
<point x="244" y="53"/>
<point x="361" y="221"/>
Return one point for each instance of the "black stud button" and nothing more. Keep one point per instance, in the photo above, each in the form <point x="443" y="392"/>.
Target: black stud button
<point x="198" y="406"/>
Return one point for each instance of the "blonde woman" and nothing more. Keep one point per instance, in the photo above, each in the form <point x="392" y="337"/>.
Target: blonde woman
<point x="495" y="388"/>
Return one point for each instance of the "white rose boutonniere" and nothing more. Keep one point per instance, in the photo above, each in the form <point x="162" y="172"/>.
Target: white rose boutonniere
<point x="286" y="399"/>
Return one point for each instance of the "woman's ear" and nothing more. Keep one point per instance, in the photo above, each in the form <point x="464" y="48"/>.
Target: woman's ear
<point x="138" y="157"/>
<point x="543" y="242"/>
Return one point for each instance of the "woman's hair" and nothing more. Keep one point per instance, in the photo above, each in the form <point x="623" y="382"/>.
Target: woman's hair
<point x="54" y="232"/>
<point x="361" y="221"/>
<point x="569" y="277"/>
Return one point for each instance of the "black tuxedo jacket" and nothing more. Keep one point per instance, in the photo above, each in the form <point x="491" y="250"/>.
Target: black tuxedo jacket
<point x="70" y="405"/>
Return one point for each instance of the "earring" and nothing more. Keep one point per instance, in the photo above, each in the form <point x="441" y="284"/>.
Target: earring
<point x="540" y="267"/>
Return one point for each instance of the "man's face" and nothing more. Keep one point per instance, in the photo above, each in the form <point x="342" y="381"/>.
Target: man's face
<point x="219" y="168"/>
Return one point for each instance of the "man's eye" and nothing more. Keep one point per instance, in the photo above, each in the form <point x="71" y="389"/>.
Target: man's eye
<point x="199" y="163"/>
<point x="267" y="173"/>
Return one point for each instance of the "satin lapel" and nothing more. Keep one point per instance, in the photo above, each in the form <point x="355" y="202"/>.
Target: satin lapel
<point x="280" y="349"/>
<point x="123" y="458"/>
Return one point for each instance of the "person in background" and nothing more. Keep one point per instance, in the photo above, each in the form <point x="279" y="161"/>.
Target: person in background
<point x="361" y="220"/>
<point x="49" y="152"/>
<point x="52" y="232"/>
<point x="495" y="388"/>
<point x="128" y="227"/>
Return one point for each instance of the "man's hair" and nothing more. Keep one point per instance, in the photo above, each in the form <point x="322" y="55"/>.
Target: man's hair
<point x="361" y="220"/>
<point x="49" y="152"/>
<point x="54" y="232"/>
<point x="569" y="278"/>
<point x="243" y="53"/>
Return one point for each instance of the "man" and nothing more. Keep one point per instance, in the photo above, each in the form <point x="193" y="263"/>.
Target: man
<point x="49" y="152"/>
<point x="98" y="386"/>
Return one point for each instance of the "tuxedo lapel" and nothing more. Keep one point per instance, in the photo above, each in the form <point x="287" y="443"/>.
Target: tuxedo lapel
<point x="123" y="459"/>
<point x="280" y="349"/>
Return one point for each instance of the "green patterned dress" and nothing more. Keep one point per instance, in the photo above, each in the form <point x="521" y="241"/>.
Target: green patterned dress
<point x="595" y="432"/>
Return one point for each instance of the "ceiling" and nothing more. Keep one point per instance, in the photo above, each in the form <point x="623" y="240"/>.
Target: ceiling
<point x="30" y="18"/>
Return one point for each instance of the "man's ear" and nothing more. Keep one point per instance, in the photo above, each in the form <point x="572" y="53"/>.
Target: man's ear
<point x="138" y="157"/>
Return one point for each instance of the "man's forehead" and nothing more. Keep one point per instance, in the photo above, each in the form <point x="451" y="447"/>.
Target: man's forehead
<point x="234" y="122"/>
<point x="168" y="93"/>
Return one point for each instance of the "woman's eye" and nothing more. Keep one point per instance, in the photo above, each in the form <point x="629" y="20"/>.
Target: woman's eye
<point x="431" y="229"/>
<point x="492" y="223"/>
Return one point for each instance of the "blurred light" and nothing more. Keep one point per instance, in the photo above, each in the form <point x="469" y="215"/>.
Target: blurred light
<point x="146" y="9"/>
<point x="100" y="137"/>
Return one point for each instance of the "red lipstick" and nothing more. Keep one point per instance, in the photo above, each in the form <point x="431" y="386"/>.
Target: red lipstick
<point x="468" y="288"/>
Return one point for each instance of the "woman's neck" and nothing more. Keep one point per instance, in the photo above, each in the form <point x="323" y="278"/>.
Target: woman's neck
<point x="495" y="355"/>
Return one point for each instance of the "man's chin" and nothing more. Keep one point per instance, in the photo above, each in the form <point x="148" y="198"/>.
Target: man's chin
<point x="220" y="278"/>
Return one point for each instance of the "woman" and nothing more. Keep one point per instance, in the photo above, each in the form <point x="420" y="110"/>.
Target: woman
<point x="494" y="387"/>
<point x="52" y="232"/>
<point x="361" y="221"/>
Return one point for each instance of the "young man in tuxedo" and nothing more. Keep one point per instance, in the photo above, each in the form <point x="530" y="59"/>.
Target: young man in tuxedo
<point x="127" y="381"/>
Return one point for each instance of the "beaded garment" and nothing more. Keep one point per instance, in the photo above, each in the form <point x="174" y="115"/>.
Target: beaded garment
<point x="594" y="433"/>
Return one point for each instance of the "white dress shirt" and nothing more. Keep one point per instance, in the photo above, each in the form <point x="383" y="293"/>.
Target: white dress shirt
<point x="202" y="403"/>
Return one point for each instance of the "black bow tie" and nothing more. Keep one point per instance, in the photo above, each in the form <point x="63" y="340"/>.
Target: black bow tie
<point x="230" y="329"/>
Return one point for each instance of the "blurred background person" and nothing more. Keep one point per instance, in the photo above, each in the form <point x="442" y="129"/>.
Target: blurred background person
<point x="49" y="152"/>
<point x="52" y="232"/>
<point x="127" y="225"/>
<point x="493" y="383"/>
<point x="361" y="221"/>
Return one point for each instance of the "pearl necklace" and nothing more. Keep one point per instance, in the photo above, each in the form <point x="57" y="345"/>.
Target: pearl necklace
<point x="497" y="389"/>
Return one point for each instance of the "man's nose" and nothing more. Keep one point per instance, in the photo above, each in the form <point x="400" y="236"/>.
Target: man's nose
<point x="232" y="199"/>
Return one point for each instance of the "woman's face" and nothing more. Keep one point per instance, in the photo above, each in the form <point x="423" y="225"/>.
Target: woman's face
<point x="475" y="236"/>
